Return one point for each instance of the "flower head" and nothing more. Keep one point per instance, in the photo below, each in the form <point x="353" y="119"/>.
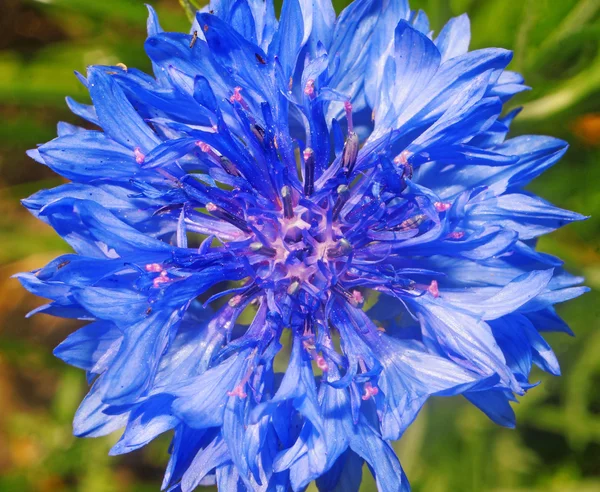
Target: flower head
<point x="340" y="192"/>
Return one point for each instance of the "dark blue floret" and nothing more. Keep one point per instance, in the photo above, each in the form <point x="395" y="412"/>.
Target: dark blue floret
<point x="294" y="233"/>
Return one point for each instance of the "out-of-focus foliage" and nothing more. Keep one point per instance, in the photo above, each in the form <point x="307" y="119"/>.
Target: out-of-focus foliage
<point x="451" y="446"/>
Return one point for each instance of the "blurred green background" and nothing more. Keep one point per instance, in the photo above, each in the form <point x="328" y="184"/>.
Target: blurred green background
<point x="451" y="446"/>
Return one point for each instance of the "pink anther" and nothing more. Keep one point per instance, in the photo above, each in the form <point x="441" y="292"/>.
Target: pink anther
<point x="154" y="267"/>
<point x="357" y="298"/>
<point x="204" y="147"/>
<point x="236" y="300"/>
<point x="402" y="158"/>
<point x="433" y="289"/>
<point x="456" y="235"/>
<point x="237" y="96"/>
<point x="309" y="88"/>
<point x="139" y="157"/>
<point x="370" y="391"/>
<point x="442" y="206"/>
<point x="348" y="108"/>
<point x="322" y="363"/>
<point x="161" y="279"/>
<point x="238" y="391"/>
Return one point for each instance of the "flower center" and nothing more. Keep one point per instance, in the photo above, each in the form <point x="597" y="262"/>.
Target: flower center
<point x="300" y="251"/>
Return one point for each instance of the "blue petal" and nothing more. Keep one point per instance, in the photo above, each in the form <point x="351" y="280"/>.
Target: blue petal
<point x="83" y="110"/>
<point x="380" y="456"/>
<point x="91" y="420"/>
<point x="214" y="455"/>
<point x="86" y="155"/>
<point x="462" y="338"/>
<point x="237" y="56"/>
<point x="116" y="115"/>
<point x="360" y="21"/>
<point x="297" y="385"/>
<point x="92" y="347"/>
<point x="184" y="447"/>
<point x="448" y="83"/>
<point x="136" y="363"/>
<point x="407" y="365"/>
<point x="417" y="60"/>
<point x="494" y="404"/>
<point x="504" y="301"/>
<point x="295" y="24"/>
<point x="147" y="421"/>
<point x="528" y="215"/>
<point x="97" y="233"/>
<point x="242" y="20"/>
<point x="344" y="476"/>
<point x="200" y="401"/>
<point x="454" y="37"/>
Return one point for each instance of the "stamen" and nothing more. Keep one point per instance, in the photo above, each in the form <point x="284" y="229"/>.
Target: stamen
<point x="227" y="216"/>
<point x="139" y="157"/>
<point x="343" y="195"/>
<point x="237" y="96"/>
<point x="238" y="391"/>
<point x="308" y="333"/>
<point x="288" y="206"/>
<point x="322" y="363"/>
<point x="259" y="132"/>
<point x="412" y="222"/>
<point x="157" y="268"/>
<point x="309" y="346"/>
<point x="433" y="289"/>
<point x="229" y="166"/>
<point x="442" y="206"/>
<point x="355" y="298"/>
<point x="342" y="248"/>
<point x="259" y="247"/>
<point x="161" y="279"/>
<point x="207" y="149"/>
<point x="348" y="108"/>
<point x="350" y="153"/>
<point x="235" y="300"/>
<point x="370" y="391"/>
<point x="122" y="66"/>
<point x="294" y="286"/>
<point x="244" y="296"/>
<point x="309" y="88"/>
<point x="204" y="147"/>
<point x="309" y="171"/>
<point x="456" y="235"/>
<point x="402" y="160"/>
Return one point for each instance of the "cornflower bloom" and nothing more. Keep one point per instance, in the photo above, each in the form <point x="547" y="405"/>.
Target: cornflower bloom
<point x="334" y="197"/>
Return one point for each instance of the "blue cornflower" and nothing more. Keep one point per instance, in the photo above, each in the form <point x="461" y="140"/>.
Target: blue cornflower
<point x="271" y="181"/>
